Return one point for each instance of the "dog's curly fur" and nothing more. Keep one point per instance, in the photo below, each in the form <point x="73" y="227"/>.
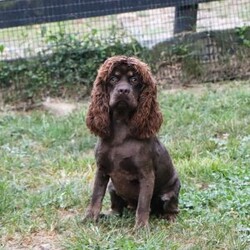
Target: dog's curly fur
<point x="145" y="122"/>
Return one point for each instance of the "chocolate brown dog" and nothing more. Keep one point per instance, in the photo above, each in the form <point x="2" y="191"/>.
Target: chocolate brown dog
<point x="125" y="114"/>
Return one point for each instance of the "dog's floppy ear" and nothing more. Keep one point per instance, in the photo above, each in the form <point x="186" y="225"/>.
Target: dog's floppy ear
<point x="97" y="119"/>
<point x="147" y="120"/>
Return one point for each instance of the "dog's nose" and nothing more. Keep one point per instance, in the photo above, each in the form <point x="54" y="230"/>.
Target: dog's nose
<point x="123" y="90"/>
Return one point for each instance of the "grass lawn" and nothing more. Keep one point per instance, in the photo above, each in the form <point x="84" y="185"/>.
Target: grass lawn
<point x="47" y="168"/>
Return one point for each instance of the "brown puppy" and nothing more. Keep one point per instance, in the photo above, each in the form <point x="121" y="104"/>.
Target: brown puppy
<point x="125" y="114"/>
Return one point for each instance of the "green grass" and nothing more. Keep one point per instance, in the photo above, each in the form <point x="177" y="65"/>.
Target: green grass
<point x="47" y="167"/>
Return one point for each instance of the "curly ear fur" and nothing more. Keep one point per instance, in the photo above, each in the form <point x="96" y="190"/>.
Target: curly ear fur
<point x="147" y="119"/>
<point x="97" y="119"/>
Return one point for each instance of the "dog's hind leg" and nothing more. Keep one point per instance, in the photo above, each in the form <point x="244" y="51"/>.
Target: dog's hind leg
<point x="117" y="203"/>
<point x="170" y="203"/>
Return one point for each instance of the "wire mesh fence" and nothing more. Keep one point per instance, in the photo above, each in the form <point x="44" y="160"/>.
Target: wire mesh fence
<point x="26" y="25"/>
<point x="54" y="47"/>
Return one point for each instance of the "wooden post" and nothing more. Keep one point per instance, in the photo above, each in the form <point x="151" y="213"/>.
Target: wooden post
<point x="185" y="18"/>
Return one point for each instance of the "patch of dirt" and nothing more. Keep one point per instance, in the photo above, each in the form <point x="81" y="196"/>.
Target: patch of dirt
<point x="58" y="107"/>
<point x="67" y="214"/>
<point x="42" y="240"/>
<point x="194" y="89"/>
<point x="199" y="89"/>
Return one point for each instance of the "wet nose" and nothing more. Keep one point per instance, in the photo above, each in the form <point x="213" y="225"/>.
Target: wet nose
<point x="123" y="90"/>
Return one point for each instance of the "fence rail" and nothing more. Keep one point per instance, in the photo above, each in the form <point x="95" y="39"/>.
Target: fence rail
<point x="25" y="12"/>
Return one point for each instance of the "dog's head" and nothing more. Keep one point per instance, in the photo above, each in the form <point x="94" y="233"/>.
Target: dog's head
<point x="124" y="86"/>
<point x="124" y="83"/>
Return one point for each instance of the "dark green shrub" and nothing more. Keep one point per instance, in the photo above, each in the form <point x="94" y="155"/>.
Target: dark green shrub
<point x="68" y="65"/>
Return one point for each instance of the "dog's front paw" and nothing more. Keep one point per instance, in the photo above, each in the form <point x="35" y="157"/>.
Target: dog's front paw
<point x="141" y="224"/>
<point x="91" y="215"/>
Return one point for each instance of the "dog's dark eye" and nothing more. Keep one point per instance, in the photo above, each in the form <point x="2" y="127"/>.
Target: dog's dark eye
<point x="139" y="86"/>
<point x="113" y="80"/>
<point x="134" y="80"/>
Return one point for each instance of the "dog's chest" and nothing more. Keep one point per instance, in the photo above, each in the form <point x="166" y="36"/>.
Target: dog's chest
<point x="121" y="160"/>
